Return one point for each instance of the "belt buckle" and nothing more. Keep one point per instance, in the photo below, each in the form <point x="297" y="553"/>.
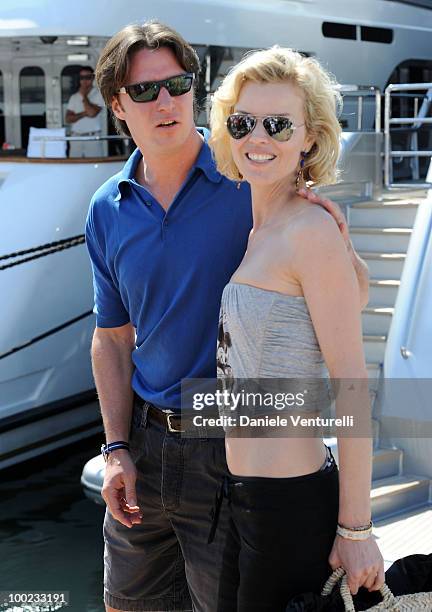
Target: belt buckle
<point x="170" y="427"/>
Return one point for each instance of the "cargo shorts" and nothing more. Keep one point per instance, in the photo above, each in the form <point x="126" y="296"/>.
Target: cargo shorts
<point x="165" y="563"/>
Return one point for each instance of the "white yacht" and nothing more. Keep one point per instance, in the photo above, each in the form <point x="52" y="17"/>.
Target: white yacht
<point x="47" y="396"/>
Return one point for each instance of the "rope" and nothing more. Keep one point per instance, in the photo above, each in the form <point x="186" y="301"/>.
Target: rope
<point x="46" y="249"/>
<point x="389" y="600"/>
<point x="50" y="332"/>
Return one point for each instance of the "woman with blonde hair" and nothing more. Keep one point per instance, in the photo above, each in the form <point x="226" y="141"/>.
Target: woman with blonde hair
<point x="291" y="311"/>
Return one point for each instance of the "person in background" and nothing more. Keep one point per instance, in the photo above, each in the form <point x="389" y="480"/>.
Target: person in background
<point x="84" y="116"/>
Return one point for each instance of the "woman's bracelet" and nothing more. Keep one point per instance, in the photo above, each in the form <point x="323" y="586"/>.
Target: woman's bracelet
<point x="355" y="533"/>
<point x="359" y="528"/>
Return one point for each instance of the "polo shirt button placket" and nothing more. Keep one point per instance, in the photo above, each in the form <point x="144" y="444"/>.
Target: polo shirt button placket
<point x="164" y="228"/>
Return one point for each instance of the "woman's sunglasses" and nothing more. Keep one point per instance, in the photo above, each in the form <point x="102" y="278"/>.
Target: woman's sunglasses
<point x="277" y="126"/>
<point x="148" y="91"/>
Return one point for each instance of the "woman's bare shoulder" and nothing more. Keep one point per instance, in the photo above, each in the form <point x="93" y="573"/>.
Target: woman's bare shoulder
<point x="312" y="221"/>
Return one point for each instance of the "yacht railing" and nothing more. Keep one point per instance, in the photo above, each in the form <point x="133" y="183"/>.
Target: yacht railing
<point x="415" y="123"/>
<point x="360" y="92"/>
<point x="418" y="283"/>
<point x="93" y="138"/>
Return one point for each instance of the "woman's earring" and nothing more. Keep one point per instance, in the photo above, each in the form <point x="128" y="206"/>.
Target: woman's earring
<point x="239" y="182"/>
<point x="299" y="176"/>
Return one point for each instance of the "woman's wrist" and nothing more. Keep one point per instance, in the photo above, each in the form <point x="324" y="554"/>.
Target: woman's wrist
<point x="350" y="515"/>
<point x="355" y="525"/>
<point x="360" y="532"/>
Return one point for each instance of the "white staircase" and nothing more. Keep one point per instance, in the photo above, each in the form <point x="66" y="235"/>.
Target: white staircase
<point x="380" y="232"/>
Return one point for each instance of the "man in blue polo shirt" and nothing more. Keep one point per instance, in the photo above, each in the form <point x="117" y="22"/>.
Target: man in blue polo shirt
<point x="164" y="236"/>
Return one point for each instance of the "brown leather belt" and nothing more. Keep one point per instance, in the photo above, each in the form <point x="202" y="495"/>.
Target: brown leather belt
<point x="171" y="421"/>
<point x="175" y="422"/>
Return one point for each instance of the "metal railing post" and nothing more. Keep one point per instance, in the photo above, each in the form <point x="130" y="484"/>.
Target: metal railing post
<point x="387" y="110"/>
<point x="416" y="122"/>
<point x="360" y="112"/>
<point x="359" y="91"/>
<point x="377" y="110"/>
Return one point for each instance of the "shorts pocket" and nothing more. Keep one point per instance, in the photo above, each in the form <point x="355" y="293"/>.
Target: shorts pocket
<point x="137" y="434"/>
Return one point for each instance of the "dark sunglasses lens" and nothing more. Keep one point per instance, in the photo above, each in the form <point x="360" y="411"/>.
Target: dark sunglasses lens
<point x="144" y="92"/>
<point x="179" y="85"/>
<point x="279" y="128"/>
<point x="240" y="126"/>
<point x="87" y="77"/>
<point x="149" y="91"/>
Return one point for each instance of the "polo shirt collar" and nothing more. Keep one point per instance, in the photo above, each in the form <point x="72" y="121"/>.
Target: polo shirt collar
<point x="128" y="171"/>
<point x="204" y="162"/>
<point x="205" y="159"/>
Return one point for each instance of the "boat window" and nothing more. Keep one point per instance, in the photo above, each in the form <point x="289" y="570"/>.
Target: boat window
<point x="427" y="4"/>
<point x="32" y="100"/>
<point x="339" y="30"/>
<point x="215" y="62"/>
<point x="411" y="104"/>
<point x="69" y="83"/>
<point x="2" y="119"/>
<point x="379" y="35"/>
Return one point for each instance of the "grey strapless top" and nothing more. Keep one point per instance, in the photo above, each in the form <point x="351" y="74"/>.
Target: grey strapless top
<point x="265" y="334"/>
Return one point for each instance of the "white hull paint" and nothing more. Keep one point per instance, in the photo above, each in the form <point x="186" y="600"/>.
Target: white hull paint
<point x="44" y="202"/>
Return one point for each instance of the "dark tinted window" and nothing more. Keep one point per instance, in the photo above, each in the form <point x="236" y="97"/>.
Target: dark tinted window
<point x="32" y="100"/>
<point x="2" y="124"/>
<point x="32" y="85"/>
<point x="379" y="35"/>
<point x="422" y="3"/>
<point x="69" y="81"/>
<point x="339" y="30"/>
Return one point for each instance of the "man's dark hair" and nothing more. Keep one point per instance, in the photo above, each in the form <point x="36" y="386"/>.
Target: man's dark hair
<point x="87" y="68"/>
<point x="114" y="63"/>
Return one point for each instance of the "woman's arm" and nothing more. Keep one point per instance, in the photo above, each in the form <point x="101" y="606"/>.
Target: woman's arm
<point x="321" y="264"/>
<point x="360" y="267"/>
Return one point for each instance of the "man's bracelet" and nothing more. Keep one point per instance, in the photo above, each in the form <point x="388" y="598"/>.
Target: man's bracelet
<point x="106" y="449"/>
<point x="355" y="533"/>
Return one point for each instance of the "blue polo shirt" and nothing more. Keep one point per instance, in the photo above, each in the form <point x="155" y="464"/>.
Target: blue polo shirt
<point x="164" y="271"/>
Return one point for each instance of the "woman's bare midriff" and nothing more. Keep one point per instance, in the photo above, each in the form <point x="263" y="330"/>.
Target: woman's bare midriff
<point x="274" y="457"/>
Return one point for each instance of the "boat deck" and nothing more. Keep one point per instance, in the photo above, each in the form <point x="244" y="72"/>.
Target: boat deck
<point x="406" y="534"/>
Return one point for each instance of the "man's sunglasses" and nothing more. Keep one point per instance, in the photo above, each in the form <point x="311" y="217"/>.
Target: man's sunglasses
<point x="277" y="126"/>
<point x="86" y="77"/>
<point x="148" y="91"/>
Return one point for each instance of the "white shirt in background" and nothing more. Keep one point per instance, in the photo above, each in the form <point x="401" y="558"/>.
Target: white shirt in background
<point x="86" y="124"/>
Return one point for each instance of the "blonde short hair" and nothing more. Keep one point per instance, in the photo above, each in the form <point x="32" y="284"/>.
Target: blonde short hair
<point x="322" y="102"/>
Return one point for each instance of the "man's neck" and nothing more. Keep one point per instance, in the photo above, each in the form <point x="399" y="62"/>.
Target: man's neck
<point x="163" y="175"/>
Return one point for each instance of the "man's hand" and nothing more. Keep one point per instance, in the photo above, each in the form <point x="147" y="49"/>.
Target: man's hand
<point x="72" y="117"/>
<point x="91" y="110"/>
<point x="86" y="104"/>
<point x="119" y="491"/>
